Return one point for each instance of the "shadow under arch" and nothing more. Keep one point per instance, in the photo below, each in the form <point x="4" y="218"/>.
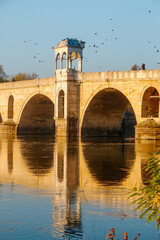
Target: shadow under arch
<point x="38" y="153"/>
<point x="10" y="107"/>
<point x="37" y="116"/>
<point x="109" y="113"/>
<point x="109" y="162"/>
<point x="61" y="96"/>
<point x="150" y="103"/>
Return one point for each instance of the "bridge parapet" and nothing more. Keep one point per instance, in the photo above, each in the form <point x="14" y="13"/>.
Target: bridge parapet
<point x="28" y="83"/>
<point x="120" y="75"/>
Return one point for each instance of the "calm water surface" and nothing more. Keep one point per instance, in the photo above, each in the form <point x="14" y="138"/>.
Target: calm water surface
<point x="57" y="189"/>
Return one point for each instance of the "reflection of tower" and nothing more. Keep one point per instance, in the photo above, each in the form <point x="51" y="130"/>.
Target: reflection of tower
<point x="10" y="154"/>
<point x="66" y="203"/>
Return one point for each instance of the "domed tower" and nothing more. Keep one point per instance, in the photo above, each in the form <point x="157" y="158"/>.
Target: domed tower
<point x="66" y="52"/>
<point x="68" y="64"/>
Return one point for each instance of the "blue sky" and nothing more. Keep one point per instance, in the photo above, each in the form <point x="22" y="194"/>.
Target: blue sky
<point x="133" y="33"/>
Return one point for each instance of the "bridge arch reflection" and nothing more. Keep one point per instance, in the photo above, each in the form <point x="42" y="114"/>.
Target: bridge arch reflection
<point x="38" y="154"/>
<point x="109" y="163"/>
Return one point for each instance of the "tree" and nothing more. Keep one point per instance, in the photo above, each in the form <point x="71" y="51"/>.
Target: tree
<point x="148" y="196"/>
<point x="3" y="75"/>
<point x="135" y="67"/>
<point x="24" y="76"/>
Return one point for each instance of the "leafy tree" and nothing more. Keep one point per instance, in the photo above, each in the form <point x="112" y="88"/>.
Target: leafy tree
<point x="3" y="75"/>
<point x="33" y="76"/>
<point x="148" y="196"/>
<point x="24" y="76"/>
<point x="135" y="67"/>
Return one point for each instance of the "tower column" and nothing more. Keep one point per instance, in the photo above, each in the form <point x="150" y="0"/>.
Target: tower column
<point x="67" y="124"/>
<point x="80" y="64"/>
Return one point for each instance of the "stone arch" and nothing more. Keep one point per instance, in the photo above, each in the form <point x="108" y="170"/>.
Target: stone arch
<point x="150" y="103"/>
<point x="37" y="116"/>
<point x="58" y="61"/>
<point x="1" y="120"/>
<point x="108" y="112"/>
<point x="10" y="107"/>
<point x="61" y="104"/>
<point x="64" y="60"/>
<point x="75" y="61"/>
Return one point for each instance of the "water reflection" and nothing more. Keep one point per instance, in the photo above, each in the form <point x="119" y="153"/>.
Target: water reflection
<point x="66" y="204"/>
<point x="109" y="163"/>
<point x="10" y="155"/>
<point x="78" y="175"/>
<point x="144" y="149"/>
<point x="38" y="153"/>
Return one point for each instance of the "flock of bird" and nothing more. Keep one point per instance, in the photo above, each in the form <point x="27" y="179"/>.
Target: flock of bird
<point x="157" y="50"/>
<point x="95" y="47"/>
<point x="38" y="54"/>
<point x="102" y="43"/>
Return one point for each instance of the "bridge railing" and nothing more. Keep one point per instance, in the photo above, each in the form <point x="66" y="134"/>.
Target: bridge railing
<point x="120" y="75"/>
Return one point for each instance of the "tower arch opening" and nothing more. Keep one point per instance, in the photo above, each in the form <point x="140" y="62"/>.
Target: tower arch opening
<point x="61" y="104"/>
<point x="37" y="116"/>
<point x="58" y="61"/>
<point x="64" y="60"/>
<point x="75" y="61"/>
<point x="150" y="103"/>
<point x="109" y="113"/>
<point x="10" y="107"/>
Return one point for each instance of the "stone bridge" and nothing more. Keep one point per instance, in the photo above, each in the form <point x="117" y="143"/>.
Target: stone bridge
<point x="73" y="103"/>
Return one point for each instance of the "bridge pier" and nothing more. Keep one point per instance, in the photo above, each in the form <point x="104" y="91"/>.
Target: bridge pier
<point x="148" y="129"/>
<point x="66" y="127"/>
<point x="8" y="127"/>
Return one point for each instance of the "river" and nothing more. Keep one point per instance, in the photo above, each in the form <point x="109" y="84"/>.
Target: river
<point x="71" y="189"/>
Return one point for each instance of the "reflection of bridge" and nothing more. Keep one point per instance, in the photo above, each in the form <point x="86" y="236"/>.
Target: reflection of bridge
<point x="34" y="163"/>
<point x="73" y="172"/>
<point x="74" y="102"/>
